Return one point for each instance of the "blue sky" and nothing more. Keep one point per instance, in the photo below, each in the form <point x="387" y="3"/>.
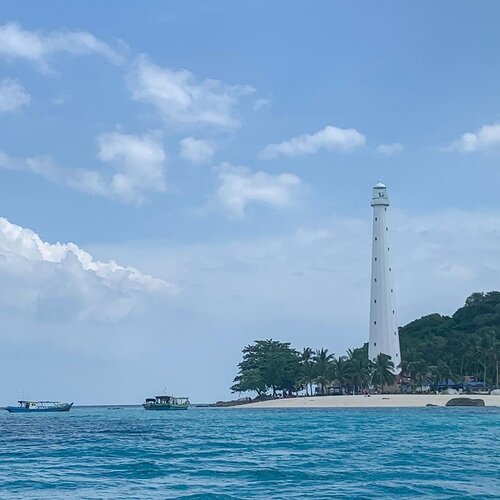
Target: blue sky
<point x="222" y="154"/>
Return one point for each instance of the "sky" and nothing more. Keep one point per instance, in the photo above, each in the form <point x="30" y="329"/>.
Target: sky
<point x="179" y="179"/>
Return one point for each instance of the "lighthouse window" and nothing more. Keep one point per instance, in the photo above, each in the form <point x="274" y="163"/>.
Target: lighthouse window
<point x="375" y="279"/>
<point x="375" y="259"/>
<point x="375" y="344"/>
<point x="375" y="238"/>
<point x="385" y="209"/>
<point x="390" y="269"/>
<point x="375" y="219"/>
<point x="391" y="290"/>
<point x="375" y="301"/>
<point x="393" y="313"/>
<point x="374" y="322"/>
<point x="396" y="355"/>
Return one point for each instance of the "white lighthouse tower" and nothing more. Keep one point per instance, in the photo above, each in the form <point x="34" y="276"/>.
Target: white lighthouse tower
<point x="384" y="336"/>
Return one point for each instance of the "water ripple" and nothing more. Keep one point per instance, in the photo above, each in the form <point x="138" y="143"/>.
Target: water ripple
<point x="443" y="453"/>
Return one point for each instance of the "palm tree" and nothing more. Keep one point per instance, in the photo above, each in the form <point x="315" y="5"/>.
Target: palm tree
<point x="382" y="371"/>
<point x="484" y="353"/>
<point x="358" y="372"/>
<point x="323" y="368"/>
<point x="496" y="359"/>
<point x="421" y="372"/>
<point x="442" y="372"/>
<point x="340" y="370"/>
<point x="307" y="364"/>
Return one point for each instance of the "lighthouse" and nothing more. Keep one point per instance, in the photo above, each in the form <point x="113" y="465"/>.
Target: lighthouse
<point x="384" y="336"/>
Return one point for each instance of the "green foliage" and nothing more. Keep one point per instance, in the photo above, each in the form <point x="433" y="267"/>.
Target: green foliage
<point x="437" y="348"/>
<point x="267" y="364"/>
<point x="433" y="348"/>
<point x="382" y="371"/>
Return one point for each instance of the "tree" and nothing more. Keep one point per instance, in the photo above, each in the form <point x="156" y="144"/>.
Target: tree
<point x="485" y="351"/>
<point x="267" y="364"/>
<point x="307" y="369"/>
<point x="323" y="368"/>
<point x="382" y="371"/>
<point x="357" y="369"/>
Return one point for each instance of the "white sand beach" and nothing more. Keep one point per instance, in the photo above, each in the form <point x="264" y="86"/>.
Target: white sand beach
<point x="375" y="401"/>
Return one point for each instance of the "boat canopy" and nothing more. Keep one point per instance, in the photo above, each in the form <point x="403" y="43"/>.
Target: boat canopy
<point x="39" y="402"/>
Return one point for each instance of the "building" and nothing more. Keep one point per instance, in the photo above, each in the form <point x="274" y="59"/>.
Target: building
<point x="384" y="336"/>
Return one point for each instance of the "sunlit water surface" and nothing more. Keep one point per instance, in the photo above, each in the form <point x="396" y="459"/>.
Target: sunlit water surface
<point x="241" y="453"/>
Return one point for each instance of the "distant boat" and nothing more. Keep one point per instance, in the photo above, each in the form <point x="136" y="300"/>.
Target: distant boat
<point x="38" y="406"/>
<point x="166" y="403"/>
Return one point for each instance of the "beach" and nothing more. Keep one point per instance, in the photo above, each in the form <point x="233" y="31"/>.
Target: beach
<point x="374" y="401"/>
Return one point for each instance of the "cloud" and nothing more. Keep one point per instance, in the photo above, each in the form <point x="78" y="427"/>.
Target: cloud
<point x="262" y="104"/>
<point x="138" y="163"/>
<point x="38" y="47"/>
<point x="310" y="284"/>
<point x="180" y="99"/>
<point x="240" y="186"/>
<point x="12" y="96"/>
<point x="486" y="138"/>
<point x="390" y="149"/>
<point x="330" y="138"/>
<point x="196" y="150"/>
<point x="63" y="283"/>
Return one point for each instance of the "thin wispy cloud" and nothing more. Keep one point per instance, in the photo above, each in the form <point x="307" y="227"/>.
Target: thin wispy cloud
<point x="389" y="149"/>
<point x="484" y="139"/>
<point x="329" y="138"/>
<point x="240" y="186"/>
<point x="262" y="103"/>
<point x="138" y="163"/>
<point x="12" y="95"/>
<point x="38" y="47"/>
<point x="181" y="99"/>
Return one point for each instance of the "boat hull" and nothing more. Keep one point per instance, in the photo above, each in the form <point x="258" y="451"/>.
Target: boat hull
<point x="166" y="407"/>
<point x="21" y="409"/>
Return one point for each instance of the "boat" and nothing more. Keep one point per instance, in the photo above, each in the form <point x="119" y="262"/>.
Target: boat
<point x="166" y="403"/>
<point x="39" y="406"/>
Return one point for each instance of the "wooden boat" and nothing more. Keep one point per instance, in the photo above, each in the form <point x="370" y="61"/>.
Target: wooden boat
<point x="39" y="406"/>
<point x="166" y="403"/>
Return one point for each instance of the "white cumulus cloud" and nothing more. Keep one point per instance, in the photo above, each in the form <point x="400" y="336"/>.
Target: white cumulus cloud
<point x="61" y="282"/>
<point x="12" y="95"/>
<point x="37" y="47"/>
<point x="486" y="138"/>
<point x="239" y="186"/>
<point x="138" y="163"/>
<point x="181" y="99"/>
<point x="196" y="150"/>
<point x="390" y="149"/>
<point x="330" y="138"/>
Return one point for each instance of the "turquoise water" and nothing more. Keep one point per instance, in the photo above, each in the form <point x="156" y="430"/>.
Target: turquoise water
<point x="237" y="453"/>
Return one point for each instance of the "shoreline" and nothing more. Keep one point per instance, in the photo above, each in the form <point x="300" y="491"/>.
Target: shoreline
<point x="374" y="401"/>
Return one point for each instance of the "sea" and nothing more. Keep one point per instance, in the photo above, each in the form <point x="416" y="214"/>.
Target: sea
<point x="215" y="453"/>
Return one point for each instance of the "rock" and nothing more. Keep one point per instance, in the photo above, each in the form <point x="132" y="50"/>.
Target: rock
<point x="430" y="404"/>
<point x="465" y="402"/>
